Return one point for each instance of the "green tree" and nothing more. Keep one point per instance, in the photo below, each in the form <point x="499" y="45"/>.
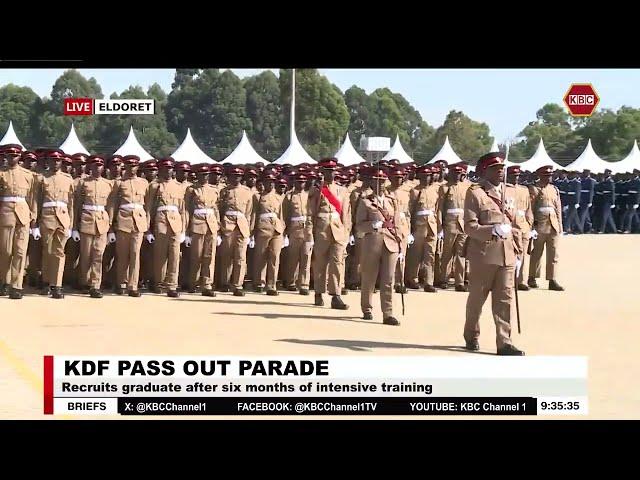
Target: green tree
<point x="356" y="100"/>
<point x="264" y="111"/>
<point x="18" y="104"/>
<point x="612" y="133"/>
<point x="52" y="126"/>
<point x="469" y="139"/>
<point x="322" y="117"/>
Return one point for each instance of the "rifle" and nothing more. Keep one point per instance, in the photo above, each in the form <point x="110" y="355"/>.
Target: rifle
<point x="504" y="215"/>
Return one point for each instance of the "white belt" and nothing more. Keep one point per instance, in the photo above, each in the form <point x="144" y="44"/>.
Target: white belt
<point x="168" y="208"/>
<point x="268" y="215"/>
<point x="571" y="193"/>
<point x="455" y="210"/>
<point x="424" y="212"/>
<point x="633" y="191"/>
<point x="546" y="209"/>
<point x="402" y="215"/>
<point x="93" y="208"/>
<point x="54" y="204"/>
<point x="12" y="199"/>
<point x="234" y="213"/>
<point x="299" y="219"/>
<point x="328" y="215"/>
<point x="203" y="211"/>
<point x="521" y="213"/>
<point x="585" y="191"/>
<point x="606" y="191"/>
<point x="132" y="206"/>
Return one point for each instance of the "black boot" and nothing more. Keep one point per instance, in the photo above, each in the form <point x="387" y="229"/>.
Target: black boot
<point x="510" y="350"/>
<point x="173" y="294"/>
<point x="119" y="290"/>
<point x="461" y="288"/>
<point x="46" y="290"/>
<point x="292" y="288"/>
<point x="238" y="292"/>
<point x="258" y="289"/>
<point x="472" y="345"/>
<point x="523" y="286"/>
<point x="272" y="293"/>
<point x="208" y="292"/>
<point x="135" y="293"/>
<point x="304" y="291"/>
<point x="318" y="302"/>
<point x="367" y="316"/>
<point x="413" y="286"/>
<point x="56" y="292"/>
<point x="95" y="293"/>
<point x="391" y="321"/>
<point x="337" y="303"/>
<point x="400" y="289"/>
<point x="16" y="294"/>
<point x="555" y="286"/>
<point x="532" y="283"/>
<point x="430" y="288"/>
<point x="3" y="290"/>
<point x="345" y="291"/>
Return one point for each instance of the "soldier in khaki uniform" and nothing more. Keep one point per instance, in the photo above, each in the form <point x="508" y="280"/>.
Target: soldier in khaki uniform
<point x="109" y="267"/>
<point x="183" y="173"/>
<point x="34" y="249"/>
<point x="298" y="257"/>
<point x="72" y="249"/>
<point x="18" y="213"/>
<point x="167" y="220"/>
<point x="354" y="270"/>
<point x="523" y="221"/>
<point x="149" y="171"/>
<point x="425" y="223"/>
<point x="376" y="219"/>
<point x="236" y="205"/>
<point x="451" y="200"/>
<point x="201" y="201"/>
<point x="399" y="191"/>
<point x="56" y="214"/>
<point x="130" y="222"/>
<point x="547" y="213"/>
<point x="330" y="223"/>
<point x="92" y="223"/>
<point x="493" y="249"/>
<point x="267" y="227"/>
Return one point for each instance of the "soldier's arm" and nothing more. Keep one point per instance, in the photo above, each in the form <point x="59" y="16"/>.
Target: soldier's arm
<point x="578" y="192"/>
<point x="254" y="212"/>
<point x="115" y="205"/>
<point x="110" y="203"/>
<point x="528" y="211"/>
<point x="363" y="224"/>
<point x="346" y="213"/>
<point x="188" y="206"/>
<point x="183" y="213"/>
<point x="150" y="203"/>
<point x="312" y="202"/>
<point x="40" y="199"/>
<point x="32" y="199"/>
<point x="79" y="199"/>
<point x="557" y="203"/>
<point x="281" y="213"/>
<point x="472" y="226"/>
<point x="286" y="211"/>
<point x="71" y="203"/>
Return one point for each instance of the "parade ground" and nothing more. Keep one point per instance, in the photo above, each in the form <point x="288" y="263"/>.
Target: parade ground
<point x="598" y="316"/>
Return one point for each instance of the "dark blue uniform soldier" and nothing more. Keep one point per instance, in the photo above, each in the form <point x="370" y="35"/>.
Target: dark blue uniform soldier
<point x="633" y="199"/>
<point x="573" y="189"/>
<point x="587" y="191"/>
<point x="607" y="191"/>
<point x="621" y="200"/>
<point x="561" y="184"/>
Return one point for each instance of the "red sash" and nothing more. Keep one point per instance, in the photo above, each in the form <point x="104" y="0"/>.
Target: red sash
<point x="326" y="193"/>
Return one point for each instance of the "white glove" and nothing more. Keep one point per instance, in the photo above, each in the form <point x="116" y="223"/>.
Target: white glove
<point x="502" y="230"/>
<point x="252" y="242"/>
<point x="533" y="234"/>
<point x="518" y="266"/>
<point x="613" y="206"/>
<point x="411" y="239"/>
<point x="377" y="225"/>
<point x="352" y="240"/>
<point x="589" y="205"/>
<point x="75" y="234"/>
<point x="308" y="246"/>
<point x="565" y="208"/>
<point x="111" y="237"/>
<point x="35" y="232"/>
<point x="187" y="241"/>
<point x="635" y="206"/>
<point x="440" y="234"/>
<point x="285" y="243"/>
<point x="218" y="241"/>
<point x="150" y="237"/>
<point x="69" y="233"/>
<point x="182" y="238"/>
<point x="400" y="256"/>
<point x="576" y="205"/>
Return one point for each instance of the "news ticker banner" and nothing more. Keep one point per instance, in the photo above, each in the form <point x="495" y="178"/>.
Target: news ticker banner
<point x="363" y="385"/>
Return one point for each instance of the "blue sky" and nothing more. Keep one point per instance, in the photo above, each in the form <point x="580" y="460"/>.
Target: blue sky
<point x="506" y="99"/>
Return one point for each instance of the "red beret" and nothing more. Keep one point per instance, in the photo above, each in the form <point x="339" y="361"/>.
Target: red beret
<point x="328" y="163"/>
<point x="394" y="161"/>
<point x="424" y="170"/>
<point x="490" y="159"/>
<point x="29" y="155"/>
<point x="11" y="148"/>
<point x="202" y="168"/>
<point x="233" y="171"/>
<point x="396" y="172"/>
<point x="269" y="176"/>
<point x="459" y="167"/>
<point x="251" y="172"/>
<point x="183" y="165"/>
<point x="283" y="181"/>
<point x="150" y="165"/>
<point x="301" y="177"/>
<point x="131" y="159"/>
<point x="95" y="159"/>
<point x="166" y="163"/>
<point x="217" y="169"/>
<point x="79" y="158"/>
<point x="116" y="160"/>
<point x="377" y="174"/>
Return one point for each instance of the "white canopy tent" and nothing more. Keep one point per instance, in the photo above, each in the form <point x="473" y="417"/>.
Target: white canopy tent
<point x="398" y="152"/>
<point x="628" y="163"/>
<point x="539" y="159"/>
<point x="494" y="146"/>
<point x="347" y="155"/>
<point x="589" y="160"/>
<point x="189" y="151"/>
<point x="72" y="144"/>
<point x="446" y="153"/>
<point x="11" y="137"/>
<point x="244" y="153"/>
<point x="131" y="146"/>
<point x="295" y="154"/>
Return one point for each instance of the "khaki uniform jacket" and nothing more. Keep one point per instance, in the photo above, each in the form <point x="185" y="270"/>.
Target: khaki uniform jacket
<point x="524" y="214"/>
<point x="93" y="192"/>
<point x="296" y="205"/>
<point x="422" y="200"/>
<point x="56" y="187"/>
<point x="338" y="226"/>
<point x="236" y="199"/>
<point x="452" y="197"/>
<point x="203" y="197"/>
<point x="402" y="197"/>
<point x="167" y="194"/>
<point x="267" y="204"/>
<point x="368" y="213"/>
<point x="132" y="192"/>
<point x="481" y="213"/>
<point x="549" y="220"/>
<point x="17" y="182"/>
